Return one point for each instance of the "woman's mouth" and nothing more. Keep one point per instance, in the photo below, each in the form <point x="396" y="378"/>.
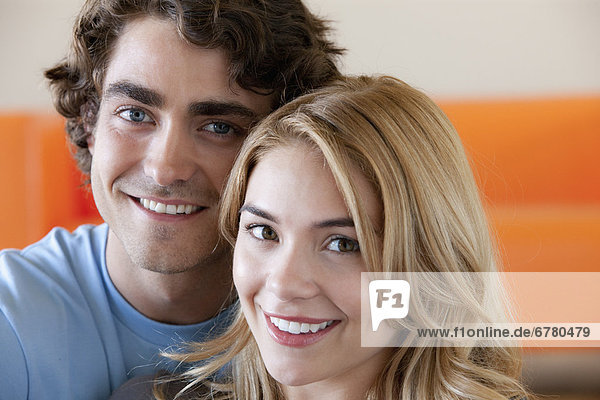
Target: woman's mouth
<point x="297" y="328"/>
<point x="298" y="332"/>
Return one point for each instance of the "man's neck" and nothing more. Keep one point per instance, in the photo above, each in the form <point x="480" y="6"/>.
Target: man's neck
<point x="179" y="298"/>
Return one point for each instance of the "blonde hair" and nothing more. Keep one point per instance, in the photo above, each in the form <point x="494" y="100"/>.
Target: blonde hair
<point x="433" y="221"/>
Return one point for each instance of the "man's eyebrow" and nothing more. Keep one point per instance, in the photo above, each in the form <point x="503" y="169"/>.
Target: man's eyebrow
<point x="337" y="222"/>
<point x="137" y="92"/>
<point x="258" y="212"/>
<point x="214" y="107"/>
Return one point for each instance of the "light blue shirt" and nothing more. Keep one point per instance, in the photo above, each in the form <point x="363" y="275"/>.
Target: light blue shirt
<point x="66" y="332"/>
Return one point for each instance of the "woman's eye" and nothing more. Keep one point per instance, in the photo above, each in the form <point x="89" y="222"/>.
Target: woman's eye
<point x="343" y="245"/>
<point x="135" y="115"/>
<point x="263" y="232"/>
<point x="219" y="128"/>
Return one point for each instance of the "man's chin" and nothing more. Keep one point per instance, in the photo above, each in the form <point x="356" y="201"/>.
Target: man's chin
<point x="166" y="269"/>
<point x="182" y="261"/>
<point x="168" y="263"/>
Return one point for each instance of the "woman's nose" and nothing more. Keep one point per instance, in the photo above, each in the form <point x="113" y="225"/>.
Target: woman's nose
<point x="170" y="157"/>
<point x="292" y="276"/>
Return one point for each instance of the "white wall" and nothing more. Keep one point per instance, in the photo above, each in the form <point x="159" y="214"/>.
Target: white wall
<point x="473" y="48"/>
<point x="34" y="35"/>
<point x="449" y="48"/>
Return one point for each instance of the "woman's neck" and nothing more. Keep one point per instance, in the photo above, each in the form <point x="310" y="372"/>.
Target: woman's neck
<point x="352" y="384"/>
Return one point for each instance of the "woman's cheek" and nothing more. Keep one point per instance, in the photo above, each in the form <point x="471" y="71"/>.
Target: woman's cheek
<point x="246" y="269"/>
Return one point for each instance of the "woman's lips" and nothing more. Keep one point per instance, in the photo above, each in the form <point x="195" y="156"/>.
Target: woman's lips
<point x="298" y="332"/>
<point x="296" y="328"/>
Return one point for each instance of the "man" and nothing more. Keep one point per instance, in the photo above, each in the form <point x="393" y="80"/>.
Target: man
<point x="158" y="96"/>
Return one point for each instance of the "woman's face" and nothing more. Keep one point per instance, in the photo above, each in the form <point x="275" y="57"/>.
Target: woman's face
<point x="297" y="267"/>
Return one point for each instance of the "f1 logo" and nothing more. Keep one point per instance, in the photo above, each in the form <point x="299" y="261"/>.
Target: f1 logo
<point x="389" y="299"/>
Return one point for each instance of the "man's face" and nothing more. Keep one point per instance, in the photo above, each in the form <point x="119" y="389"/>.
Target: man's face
<point x="169" y="127"/>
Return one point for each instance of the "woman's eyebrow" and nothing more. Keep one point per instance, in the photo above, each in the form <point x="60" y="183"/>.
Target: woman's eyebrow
<point x="336" y="222"/>
<point x="258" y="212"/>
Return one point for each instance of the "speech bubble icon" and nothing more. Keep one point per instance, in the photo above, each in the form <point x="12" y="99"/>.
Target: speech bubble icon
<point x="389" y="299"/>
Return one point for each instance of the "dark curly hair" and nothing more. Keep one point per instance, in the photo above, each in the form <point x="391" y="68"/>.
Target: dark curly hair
<point x="274" y="46"/>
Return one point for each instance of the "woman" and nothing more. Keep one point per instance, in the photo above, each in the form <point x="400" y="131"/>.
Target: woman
<point x="366" y="175"/>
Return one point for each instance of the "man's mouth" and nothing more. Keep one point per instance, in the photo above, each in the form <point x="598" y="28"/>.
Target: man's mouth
<point x="297" y="328"/>
<point x="173" y="209"/>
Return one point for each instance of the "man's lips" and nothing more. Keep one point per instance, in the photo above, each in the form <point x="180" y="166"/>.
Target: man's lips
<point x="168" y="208"/>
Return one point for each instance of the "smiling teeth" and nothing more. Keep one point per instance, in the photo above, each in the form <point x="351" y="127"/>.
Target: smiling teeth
<point x="297" y="328"/>
<point x="172" y="209"/>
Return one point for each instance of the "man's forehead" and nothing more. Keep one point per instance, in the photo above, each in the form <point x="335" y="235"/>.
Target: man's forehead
<point x="149" y="50"/>
<point x="152" y="63"/>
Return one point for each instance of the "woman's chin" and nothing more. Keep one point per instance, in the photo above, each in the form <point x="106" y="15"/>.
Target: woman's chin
<point x="291" y="376"/>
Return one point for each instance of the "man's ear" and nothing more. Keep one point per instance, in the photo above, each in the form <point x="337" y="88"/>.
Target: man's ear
<point x="89" y="115"/>
<point x="91" y="139"/>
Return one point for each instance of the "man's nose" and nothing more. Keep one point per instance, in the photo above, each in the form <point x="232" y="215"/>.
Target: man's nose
<point x="292" y="277"/>
<point x="170" y="155"/>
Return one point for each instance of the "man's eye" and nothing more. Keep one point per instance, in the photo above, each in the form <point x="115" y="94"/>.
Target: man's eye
<point x="263" y="232"/>
<point x="220" y="128"/>
<point x="343" y="245"/>
<point x="134" y="115"/>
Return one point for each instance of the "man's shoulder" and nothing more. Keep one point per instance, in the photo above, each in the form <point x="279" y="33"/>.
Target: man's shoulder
<point x="61" y="268"/>
<point x="54" y="315"/>
<point x="59" y="248"/>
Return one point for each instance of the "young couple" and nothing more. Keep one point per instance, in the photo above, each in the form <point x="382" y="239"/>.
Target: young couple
<point x="360" y="174"/>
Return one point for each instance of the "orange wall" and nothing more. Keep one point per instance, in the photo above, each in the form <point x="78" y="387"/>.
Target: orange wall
<point x="538" y="164"/>
<point x="536" y="161"/>
<point x="41" y="185"/>
<point x="532" y="152"/>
